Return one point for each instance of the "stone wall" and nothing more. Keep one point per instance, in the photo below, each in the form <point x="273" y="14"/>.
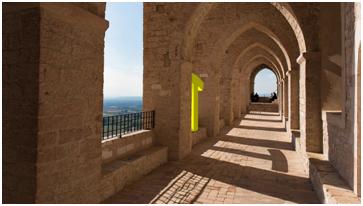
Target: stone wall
<point x="128" y="144"/>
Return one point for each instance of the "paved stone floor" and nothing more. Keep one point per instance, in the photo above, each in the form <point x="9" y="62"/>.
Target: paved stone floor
<point x="252" y="162"/>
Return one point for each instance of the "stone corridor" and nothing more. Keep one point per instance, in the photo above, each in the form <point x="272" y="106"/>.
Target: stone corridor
<point x="252" y="162"/>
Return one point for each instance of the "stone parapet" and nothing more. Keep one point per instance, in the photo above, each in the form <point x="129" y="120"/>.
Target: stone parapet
<point x="263" y="107"/>
<point x="123" y="171"/>
<point x="328" y="184"/>
<point x="126" y="145"/>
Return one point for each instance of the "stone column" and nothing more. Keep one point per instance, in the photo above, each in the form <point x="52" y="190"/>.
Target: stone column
<point x="229" y="109"/>
<point x="209" y="105"/>
<point x="286" y="98"/>
<point x="20" y="101"/>
<point x="245" y="94"/>
<point x="310" y="101"/>
<point x="237" y="100"/>
<point x="280" y="97"/>
<point x="293" y="76"/>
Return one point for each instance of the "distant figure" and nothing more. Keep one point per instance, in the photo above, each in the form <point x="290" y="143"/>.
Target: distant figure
<point x="256" y="97"/>
<point x="273" y="96"/>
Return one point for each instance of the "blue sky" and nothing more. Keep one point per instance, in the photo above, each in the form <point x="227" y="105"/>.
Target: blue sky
<point x="124" y="53"/>
<point x="265" y="82"/>
<point x="123" y="50"/>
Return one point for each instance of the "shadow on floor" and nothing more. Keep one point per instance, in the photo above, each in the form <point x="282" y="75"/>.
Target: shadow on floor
<point x="258" y="142"/>
<point x="264" y="114"/>
<point x="262" y="128"/>
<point x="278" y="159"/>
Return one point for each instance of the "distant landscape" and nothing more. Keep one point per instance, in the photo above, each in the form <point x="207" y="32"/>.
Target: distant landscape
<point x="121" y="105"/>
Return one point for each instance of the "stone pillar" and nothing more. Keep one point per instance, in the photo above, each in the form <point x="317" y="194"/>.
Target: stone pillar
<point x="229" y="109"/>
<point x="172" y="104"/>
<point x="280" y="97"/>
<point x="245" y="94"/>
<point x="167" y="80"/>
<point x="293" y="76"/>
<point x="20" y="101"/>
<point x="310" y="103"/>
<point x="209" y="106"/>
<point x="237" y="100"/>
<point x="286" y="98"/>
<point x="59" y="78"/>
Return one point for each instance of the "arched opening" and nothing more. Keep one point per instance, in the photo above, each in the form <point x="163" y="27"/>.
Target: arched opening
<point x="123" y="63"/>
<point x="123" y="70"/>
<point x="264" y="86"/>
<point x="264" y="90"/>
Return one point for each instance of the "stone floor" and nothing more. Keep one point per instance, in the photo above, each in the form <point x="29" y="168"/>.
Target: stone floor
<point x="252" y="162"/>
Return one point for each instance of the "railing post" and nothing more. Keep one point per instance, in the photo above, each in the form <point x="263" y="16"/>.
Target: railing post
<point x="153" y="119"/>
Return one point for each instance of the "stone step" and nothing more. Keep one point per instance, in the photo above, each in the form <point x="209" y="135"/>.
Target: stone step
<point x="123" y="171"/>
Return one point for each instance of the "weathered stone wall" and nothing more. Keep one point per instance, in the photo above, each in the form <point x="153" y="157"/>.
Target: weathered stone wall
<point x="20" y="102"/>
<point x="128" y="144"/>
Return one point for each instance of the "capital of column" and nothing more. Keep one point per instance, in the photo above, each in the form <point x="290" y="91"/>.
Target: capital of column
<point x="288" y="73"/>
<point x="307" y="56"/>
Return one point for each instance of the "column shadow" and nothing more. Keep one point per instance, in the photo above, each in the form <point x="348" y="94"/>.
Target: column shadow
<point x="262" y="120"/>
<point x="271" y="129"/>
<point x="258" y="142"/>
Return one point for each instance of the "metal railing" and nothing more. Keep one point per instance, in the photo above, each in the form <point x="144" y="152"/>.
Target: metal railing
<point x="114" y="126"/>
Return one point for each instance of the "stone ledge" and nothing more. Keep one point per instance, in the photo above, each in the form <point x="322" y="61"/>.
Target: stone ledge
<point x="126" y="145"/>
<point x="123" y="171"/>
<point x="328" y="184"/>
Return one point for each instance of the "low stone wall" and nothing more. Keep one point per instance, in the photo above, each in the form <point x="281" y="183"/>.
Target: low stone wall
<point x="263" y="107"/>
<point x="337" y="145"/>
<point x="199" y="135"/>
<point x="332" y="131"/>
<point x="329" y="186"/>
<point x="128" y="144"/>
<point x="121" y="172"/>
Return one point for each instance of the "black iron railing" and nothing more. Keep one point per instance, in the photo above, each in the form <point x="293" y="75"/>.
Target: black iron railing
<point x="114" y="126"/>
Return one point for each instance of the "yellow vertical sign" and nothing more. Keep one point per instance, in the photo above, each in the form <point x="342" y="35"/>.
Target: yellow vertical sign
<point x="197" y="86"/>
